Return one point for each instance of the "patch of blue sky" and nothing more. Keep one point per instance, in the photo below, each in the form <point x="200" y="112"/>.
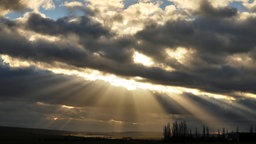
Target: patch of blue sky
<point x="61" y="11"/>
<point x="239" y="6"/>
<point x="164" y="3"/>
<point x="128" y="3"/>
<point x="250" y="1"/>
<point x="14" y="15"/>
<point x="54" y="13"/>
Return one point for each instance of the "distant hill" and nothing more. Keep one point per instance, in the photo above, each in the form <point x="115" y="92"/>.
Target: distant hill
<point x="15" y="135"/>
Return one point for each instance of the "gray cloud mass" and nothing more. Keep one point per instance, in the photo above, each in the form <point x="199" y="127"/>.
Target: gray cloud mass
<point x="213" y="39"/>
<point x="11" y="5"/>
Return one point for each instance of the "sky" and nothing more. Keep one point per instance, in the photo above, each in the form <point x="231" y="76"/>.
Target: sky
<point x="127" y="65"/>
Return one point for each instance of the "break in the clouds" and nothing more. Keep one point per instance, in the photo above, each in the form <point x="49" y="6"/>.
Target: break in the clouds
<point x="169" y="58"/>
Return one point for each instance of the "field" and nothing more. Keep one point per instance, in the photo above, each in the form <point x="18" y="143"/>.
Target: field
<point x="10" y="135"/>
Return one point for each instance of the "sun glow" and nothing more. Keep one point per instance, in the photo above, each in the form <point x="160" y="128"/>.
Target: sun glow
<point x="67" y="107"/>
<point x="142" y="59"/>
<point x="246" y="94"/>
<point x="180" y="54"/>
<point x="55" y="118"/>
<point x="240" y="60"/>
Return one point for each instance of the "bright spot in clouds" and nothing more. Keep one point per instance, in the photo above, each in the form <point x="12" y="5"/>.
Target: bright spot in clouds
<point x="55" y="118"/>
<point x="73" y="4"/>
<point x="67" y="107"/>
<point x="142" y="59"/>
<point x="179" y="54"/>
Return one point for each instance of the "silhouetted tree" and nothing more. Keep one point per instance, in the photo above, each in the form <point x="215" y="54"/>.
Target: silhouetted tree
<point x="167" y="132"/>
<point x="175" y="129"/>
<point x="196" y="132"/>
<point x="180" y="132"/>
<point x="207" y="131"/>
<point x="183" y="130"/>
<point x="223" y="132"/>
<point x="204" y="131"/>
<point x="251" y="129"/>
<point x="179" y="129"/>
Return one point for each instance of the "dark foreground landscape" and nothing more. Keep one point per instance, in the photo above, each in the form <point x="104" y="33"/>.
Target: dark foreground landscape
<point x="11" y="135"/>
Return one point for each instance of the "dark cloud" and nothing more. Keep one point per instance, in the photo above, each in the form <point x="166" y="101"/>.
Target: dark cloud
<point x="207" y="9"/>
<point x="15" y="5"/>
<point x="41" y="50"/>
<point x="203" y="34"/>
<point x="65" y="50"/>
<point x="92" y="35"/>
<point x="212" y="40"/>
<point x="81" y="26"/>
<point x="24" y="84"/>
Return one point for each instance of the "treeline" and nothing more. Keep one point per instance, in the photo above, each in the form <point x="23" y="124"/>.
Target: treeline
<point x="179" y="131"/>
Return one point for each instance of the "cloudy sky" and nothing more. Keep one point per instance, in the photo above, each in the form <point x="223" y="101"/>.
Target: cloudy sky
<point x="127" y="65"/>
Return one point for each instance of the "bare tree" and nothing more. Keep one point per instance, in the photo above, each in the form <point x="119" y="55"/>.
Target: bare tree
<point x="224" y="132"/>
<point x="196" y="132"/>
<point x="167" y="132"/>
<point x="251" y="129"/>
<point x="204" y="131"/>
<point x="207" y="131"/>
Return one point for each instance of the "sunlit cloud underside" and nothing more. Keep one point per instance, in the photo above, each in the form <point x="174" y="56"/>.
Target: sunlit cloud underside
<point x="131" y="83"/>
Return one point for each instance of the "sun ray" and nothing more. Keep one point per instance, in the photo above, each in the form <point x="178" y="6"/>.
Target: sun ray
<point x="197" y="111"/>
<point x="109" y="90"/>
